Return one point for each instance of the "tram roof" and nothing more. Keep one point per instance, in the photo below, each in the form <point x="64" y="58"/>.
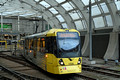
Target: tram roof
<point x="51" y="32"/>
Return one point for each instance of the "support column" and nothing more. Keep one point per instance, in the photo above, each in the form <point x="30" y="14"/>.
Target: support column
<point x="42" y="24"/>
<point x="86" y="48"/>
<point x="18" y="23"/>
<point x="90" y="31"/>
<point x="1" y="22"/>
<point x="112" y="50"/>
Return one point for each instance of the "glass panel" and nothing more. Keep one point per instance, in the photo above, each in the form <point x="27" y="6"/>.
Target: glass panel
<point x="104" y="7"/>
<point x="92" y="1"/>
<point x="79" y="13"/>
<point x="84" y="24"/>
<point x="37" y="0"/>
<point x="60" y="18"/>
<point x="64" y="25"/>
<point x="67" y="6"/>
<point x="118" y="4"/>
<point x="53" y="11"/>
<point x="44" y="4"/>
<point x="60" y="1"/>
<point x="63" y="43"/>
<point x="72" y="4"/>
<point x="86" y="2"/>
<point x="66" y="46"/>
<point x="74" y="15"/>
<point x="95" y="10"/>
<point x="79" y="25"/>
<point x="109" y="20"/>
<point x="98" y="21"/>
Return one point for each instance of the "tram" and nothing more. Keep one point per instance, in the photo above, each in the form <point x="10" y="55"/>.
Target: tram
<point x="56" y="51"/>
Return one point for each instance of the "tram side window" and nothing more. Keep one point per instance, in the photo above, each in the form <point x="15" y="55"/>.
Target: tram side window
<point x="55" y="47"/>
<point x="27" y="45"/>
<point x="42" y="45"/>
<point x="31" y="44"/>
<point x="49" y="44"/>
<point x="38" y="44"/>
<point x="35" y="47"/>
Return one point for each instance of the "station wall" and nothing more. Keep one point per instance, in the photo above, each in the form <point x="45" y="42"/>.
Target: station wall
<point x="26" y="26"/>
<point x="82" y="40"/>
<point x="100" y="45"/>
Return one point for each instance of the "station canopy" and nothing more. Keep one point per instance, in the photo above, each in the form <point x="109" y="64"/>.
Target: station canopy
<point x="66" y="13"/>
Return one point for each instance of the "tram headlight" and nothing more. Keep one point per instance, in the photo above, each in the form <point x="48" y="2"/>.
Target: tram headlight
<point x="79" y="61"/>
<point x="61" y="62"/>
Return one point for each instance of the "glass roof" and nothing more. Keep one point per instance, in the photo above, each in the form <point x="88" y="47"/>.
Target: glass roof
<point x="60" y="1"/>
<point x="64" y="25"/>
<point x="60" y="18"/>
<point x="104" y="7"/>
<point x="74" y="15"/>
<point x="99" y="22"/>
<point x="53" y="10"/>
<point x="109" y="20"/>
<point x="37" y="0"/>
<point x="67" y="6"/>
<point x="45" y="4"/>
<point x="79" y="25"/>
<point x="66" y="12"/>
<point x="117" y="4"/>
<point x="98" y="10"/>
<point x="86" y="2"/>
<point x="95" y="10"/>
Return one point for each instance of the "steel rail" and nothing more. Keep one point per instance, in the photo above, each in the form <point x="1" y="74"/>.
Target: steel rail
<point x="4" y="78"/>
<point x="97" y="70"/>
<point x="84" y="77"/>
<point x="11" y="72"/>
<point x="115" y="71"/>
<point x="19" y="75"/>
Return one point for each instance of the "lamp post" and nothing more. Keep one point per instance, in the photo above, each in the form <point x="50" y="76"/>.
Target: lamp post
<point x="90" y="31"/>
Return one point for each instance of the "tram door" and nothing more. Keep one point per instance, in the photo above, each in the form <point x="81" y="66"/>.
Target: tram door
<point x="35" y="48"/>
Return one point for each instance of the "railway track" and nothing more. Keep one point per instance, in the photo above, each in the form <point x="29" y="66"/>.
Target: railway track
<point x="23" y="63"/>
<point x="17" y="68"/>
<point x="17" y="75"/>
<point x="12" y="73"/>
<point x="22" y="69"/>
<point x="103" y="71"/>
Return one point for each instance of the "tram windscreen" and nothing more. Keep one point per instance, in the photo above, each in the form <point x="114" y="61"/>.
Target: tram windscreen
<point x="69" y="44"/>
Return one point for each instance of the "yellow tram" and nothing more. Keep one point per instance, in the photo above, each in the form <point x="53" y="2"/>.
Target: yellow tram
<point x="56" y="51"/>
